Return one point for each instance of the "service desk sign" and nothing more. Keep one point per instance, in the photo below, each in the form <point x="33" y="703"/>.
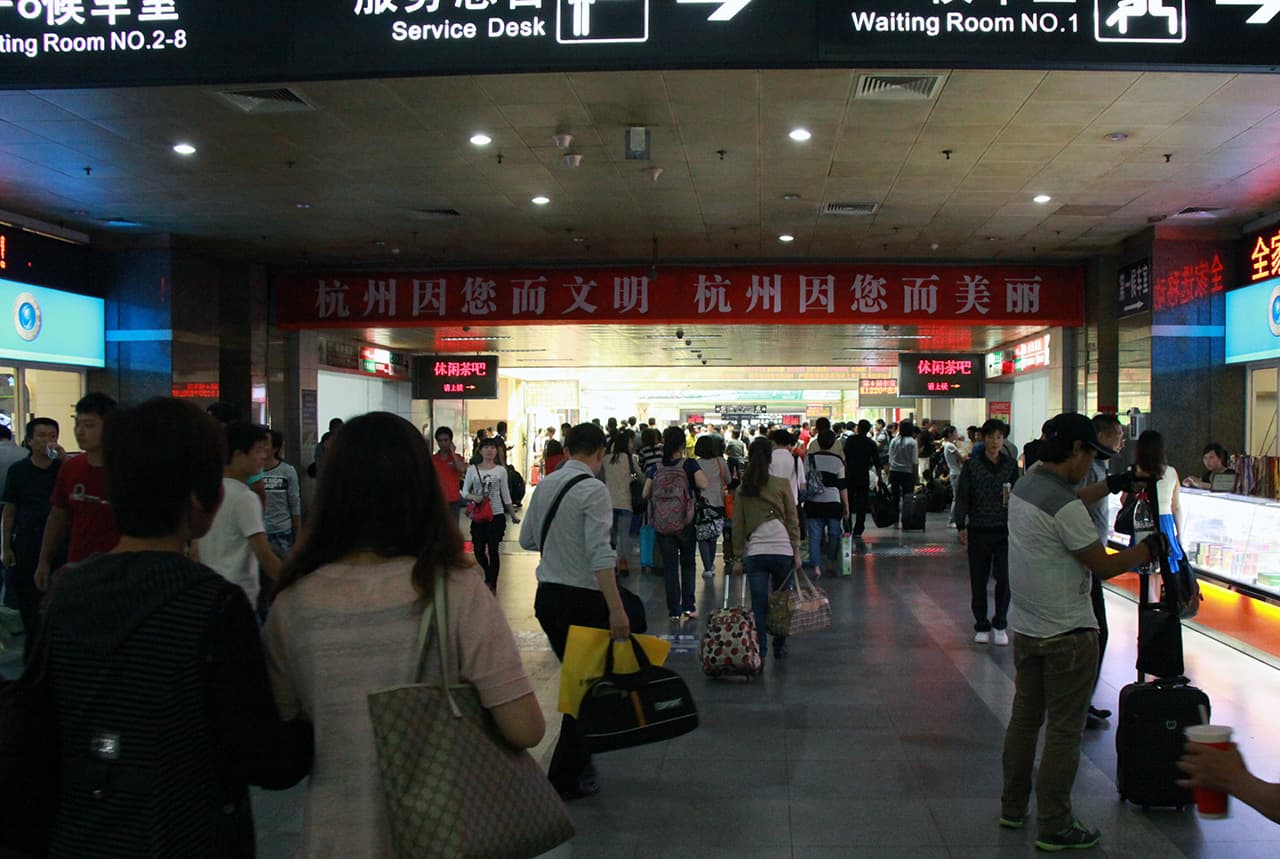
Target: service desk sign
<point x="940" y="374"/>
<point x="49" y="43"/>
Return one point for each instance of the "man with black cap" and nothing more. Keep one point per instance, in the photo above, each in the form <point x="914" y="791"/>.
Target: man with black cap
<point x="1053" y="549"/>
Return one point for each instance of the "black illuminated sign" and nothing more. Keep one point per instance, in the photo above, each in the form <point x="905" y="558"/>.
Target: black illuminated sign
<point x="1134" y="293"/>
<point x="50" y="43"/>
<point x="455" y="377"/>
<point x="941" y="374"/>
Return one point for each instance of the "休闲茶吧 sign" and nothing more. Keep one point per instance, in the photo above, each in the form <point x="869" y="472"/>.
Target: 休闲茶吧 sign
<point x="879" y="293"/>
<point x="455" y="377"/>
<point x="941" y="374"/>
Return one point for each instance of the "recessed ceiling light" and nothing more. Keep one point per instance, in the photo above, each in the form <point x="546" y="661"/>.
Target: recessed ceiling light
<point x="302" y="205"/>
<point x="481" y="140"/>
<point x="540" y="200"/>
<point x="800" y="135"/>
<point x="785" y="238"/>
<point x="1041" y="198"/>
<point x="474" y="337"/>
<point x="791" y="197"/>
<point x="184" y="149"/>
<point x="1117" y="136"/>
<point x="578" y="239"/>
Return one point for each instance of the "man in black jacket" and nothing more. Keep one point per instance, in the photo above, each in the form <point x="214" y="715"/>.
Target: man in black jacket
<point x="861" y="456"/>
<point x="982" y="522"/>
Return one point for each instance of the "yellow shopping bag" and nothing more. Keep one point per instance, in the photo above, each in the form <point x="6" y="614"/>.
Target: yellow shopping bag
<point x="584" y="655"/>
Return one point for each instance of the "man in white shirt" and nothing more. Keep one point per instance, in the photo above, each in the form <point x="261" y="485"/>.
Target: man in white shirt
<point x="236" y="544"/>
<point x="954" y="458"/>
<point x="786" y="464"/>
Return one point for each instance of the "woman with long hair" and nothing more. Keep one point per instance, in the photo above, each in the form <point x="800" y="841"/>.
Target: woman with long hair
<point x="1149" y="461"/>
<point x="679" y="566"/>
<point x="346" y="617"/>
<point x="489" y="480"/>
<point x="620" y="468"/>
<point x="710" y="457"/>
<point x="766" y="536"/>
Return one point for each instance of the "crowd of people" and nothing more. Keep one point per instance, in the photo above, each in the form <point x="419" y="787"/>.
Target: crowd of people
<point x="195" y="636"/>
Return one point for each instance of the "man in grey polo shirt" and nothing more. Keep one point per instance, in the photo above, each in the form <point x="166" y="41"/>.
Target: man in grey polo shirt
<point x="576" y="584"/>
<point x="1053" y="548"/>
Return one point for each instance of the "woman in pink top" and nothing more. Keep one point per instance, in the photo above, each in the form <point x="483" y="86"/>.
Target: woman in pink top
<point x="345" y="622"/>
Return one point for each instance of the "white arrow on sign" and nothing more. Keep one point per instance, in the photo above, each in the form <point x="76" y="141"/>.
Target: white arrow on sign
<point x="729" y="8"/>
<point x="1267" y="9"/>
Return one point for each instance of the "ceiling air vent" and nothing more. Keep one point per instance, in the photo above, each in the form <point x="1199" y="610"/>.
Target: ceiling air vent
<point x="437" y="214"/>
<point x="899" y="87"/>
<point x="1085" y="210"/>
<point x="265" y="100"/>
<point x="850" y="209"/>
<point x="1199" y="212"/>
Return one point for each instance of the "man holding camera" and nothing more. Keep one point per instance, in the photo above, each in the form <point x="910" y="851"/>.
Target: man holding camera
<point x="1054" y="552"/>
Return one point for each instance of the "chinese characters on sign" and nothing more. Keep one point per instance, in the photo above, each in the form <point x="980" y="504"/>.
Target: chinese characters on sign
<point x="940" y="375"/>
<point x="1188" y="283"/>
<point x="1030" y="354"/>
<point x="1264" y="256"/>
<point x="1135" y="288"/>
<point x="455" y="377"/>
<point x="871" y="387"/>
<point x="75" y="27"/>
<point x="874" y="293"/>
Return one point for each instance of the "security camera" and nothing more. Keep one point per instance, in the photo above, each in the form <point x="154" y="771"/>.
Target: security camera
<point x="688" y="342"/>
<point x="680" y="333"/>
<point x="466" y="328"/>
<point x="704" y="362"/>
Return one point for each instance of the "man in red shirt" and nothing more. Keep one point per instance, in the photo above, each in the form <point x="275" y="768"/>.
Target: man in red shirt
<point x="450" y="469"/>
<point x="81" y="513"/>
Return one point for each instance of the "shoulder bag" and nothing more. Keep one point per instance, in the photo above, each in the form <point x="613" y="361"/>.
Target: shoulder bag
<point x="638" y="502"/>
<point x="482" y="510"/>
<point x="624" y="710"/>
<point x="452" y="786"/>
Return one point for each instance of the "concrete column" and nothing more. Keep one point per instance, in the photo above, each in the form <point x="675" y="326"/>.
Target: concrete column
<point x="1101" y="318"/>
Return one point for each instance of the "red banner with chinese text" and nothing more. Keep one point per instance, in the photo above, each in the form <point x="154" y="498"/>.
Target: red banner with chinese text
<point x="876" y="293"/>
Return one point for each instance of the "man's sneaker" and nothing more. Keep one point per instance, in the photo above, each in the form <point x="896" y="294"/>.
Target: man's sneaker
<point x="1000" y="637"/>
<point x="1008" y="822"/>
<point x="1074" y="837"/>
<point x="983" y="637"/>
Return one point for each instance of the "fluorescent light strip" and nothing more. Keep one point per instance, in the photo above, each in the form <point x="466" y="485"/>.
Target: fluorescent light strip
<point x="472" y="339"/>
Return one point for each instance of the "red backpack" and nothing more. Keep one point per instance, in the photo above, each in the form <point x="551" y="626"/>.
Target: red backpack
<point x="670" y="501"/>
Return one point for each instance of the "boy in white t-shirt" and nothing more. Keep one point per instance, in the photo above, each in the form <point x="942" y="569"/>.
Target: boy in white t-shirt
<point x="236" y="544"/>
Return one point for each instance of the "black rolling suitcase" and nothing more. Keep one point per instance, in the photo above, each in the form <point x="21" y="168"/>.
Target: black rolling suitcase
<point x="914" y="510"/>
<point x="1149" y="736"/>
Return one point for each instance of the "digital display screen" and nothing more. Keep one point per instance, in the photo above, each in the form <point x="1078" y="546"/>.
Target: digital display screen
<point x="941" y="374"/>
<point x="50" y="326"/>
<point x="455" y="377"/>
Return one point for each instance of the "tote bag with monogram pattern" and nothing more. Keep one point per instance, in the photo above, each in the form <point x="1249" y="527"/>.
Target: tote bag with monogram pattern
<point x="453" y="788"/>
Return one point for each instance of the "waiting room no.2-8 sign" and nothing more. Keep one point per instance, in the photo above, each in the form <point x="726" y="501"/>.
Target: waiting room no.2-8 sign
<point x="798" y="294"/>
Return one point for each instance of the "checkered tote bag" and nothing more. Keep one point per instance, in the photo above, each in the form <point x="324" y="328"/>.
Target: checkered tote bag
<point x="452" y="787"/>
<point x="798" y="606"/>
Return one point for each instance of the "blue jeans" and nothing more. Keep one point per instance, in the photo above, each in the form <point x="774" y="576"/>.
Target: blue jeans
<point x="766" y="573"/>
<point x="680" y="570"/>
<point x="621" y="536"/>
<point x="820" y="530"/>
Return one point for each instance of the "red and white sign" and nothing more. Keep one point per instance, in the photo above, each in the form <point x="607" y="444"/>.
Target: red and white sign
<point x="878" y="387"/>
<point x="797" y="294"/>
<point x="197" y="390"/>
<point x="1030" y="354"/>
<point x="1001" y="410"/>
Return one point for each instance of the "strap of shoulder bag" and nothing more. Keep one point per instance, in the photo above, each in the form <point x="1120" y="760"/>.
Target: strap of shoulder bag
<point x="555" y="507"/>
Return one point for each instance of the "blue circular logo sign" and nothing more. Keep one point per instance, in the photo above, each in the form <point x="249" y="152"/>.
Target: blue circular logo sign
<point x="27" y="318"/>
<point x="1273" y="316"/>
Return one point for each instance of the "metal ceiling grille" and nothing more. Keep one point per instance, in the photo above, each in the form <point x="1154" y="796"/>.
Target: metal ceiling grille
<point x="850" y="209"/>
<point x="266" y="100"/>
<point x="899" y="87"/>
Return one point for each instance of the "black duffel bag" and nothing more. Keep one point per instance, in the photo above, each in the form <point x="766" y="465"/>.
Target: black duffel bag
<point x="624" y="710"/>
<point x="884" y="507"/>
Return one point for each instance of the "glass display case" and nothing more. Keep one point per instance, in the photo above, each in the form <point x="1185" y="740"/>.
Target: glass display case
<point x="1234" y="538"/>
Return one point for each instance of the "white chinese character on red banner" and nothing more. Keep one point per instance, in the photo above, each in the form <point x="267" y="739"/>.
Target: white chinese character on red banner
<point x="374" y="7"/>
<point x="868" y="294"/>
<point x="529" y="295"/>
<point x="331" y="300"/>
<point x="631" y="293"/>
<point x="111" y="9"/>
<point x="1022" y="295"/>
<point x="920" y="293"/>
<point x="158" y="10"/>
<point x="428" y="296"/>
<point x="478" y="296"/>
<point x="712" y="294"/>
<point x="817" y="291"/>
<point x="766" y="292"/>
<point x="974" y="294"/>
<point x="380" y="294"/>
<point x="581" y="290"/>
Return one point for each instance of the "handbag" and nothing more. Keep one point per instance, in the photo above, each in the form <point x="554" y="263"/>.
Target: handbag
<point x="729" y="487"/>
<point x="798" y="606"/>
<point x="482" y="510"/>
<point x="708" y="521"/>
<point x="619" y="711"/>
<point x="884" y="507"/>
<point x="1124" y="517"/>
<point x="453" y="788"/>
<point x="29" y="758"/>
<point x="638" y="502"/>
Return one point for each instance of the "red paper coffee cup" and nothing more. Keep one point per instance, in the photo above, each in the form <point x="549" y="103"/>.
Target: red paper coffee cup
<point x="1211" y="804"/>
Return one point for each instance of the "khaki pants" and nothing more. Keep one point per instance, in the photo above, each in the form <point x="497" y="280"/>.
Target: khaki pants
<point x="1054" y="677"/>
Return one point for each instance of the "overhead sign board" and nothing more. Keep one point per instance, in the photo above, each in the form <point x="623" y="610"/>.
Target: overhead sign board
<point x="872" y="293"/>
<point x="51" y="43"/>
<point x="1253" y="323"/>
<point x="877" y="387"/>
<point x="1133" y="294"/>
<point x="941" y="374"/>
<point x="455" y="377"/>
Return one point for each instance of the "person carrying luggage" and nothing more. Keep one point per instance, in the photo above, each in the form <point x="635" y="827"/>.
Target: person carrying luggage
<point x="671" y="488"/>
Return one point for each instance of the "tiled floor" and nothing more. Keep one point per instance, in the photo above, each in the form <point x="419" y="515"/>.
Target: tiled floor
<point x="877" y="738"/>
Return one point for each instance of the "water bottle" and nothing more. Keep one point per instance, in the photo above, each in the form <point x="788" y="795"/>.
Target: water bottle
<point x="1144" y="525"/>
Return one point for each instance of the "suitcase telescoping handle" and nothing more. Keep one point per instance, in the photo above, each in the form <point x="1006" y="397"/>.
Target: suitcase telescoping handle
<point x="742" y="593"/>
